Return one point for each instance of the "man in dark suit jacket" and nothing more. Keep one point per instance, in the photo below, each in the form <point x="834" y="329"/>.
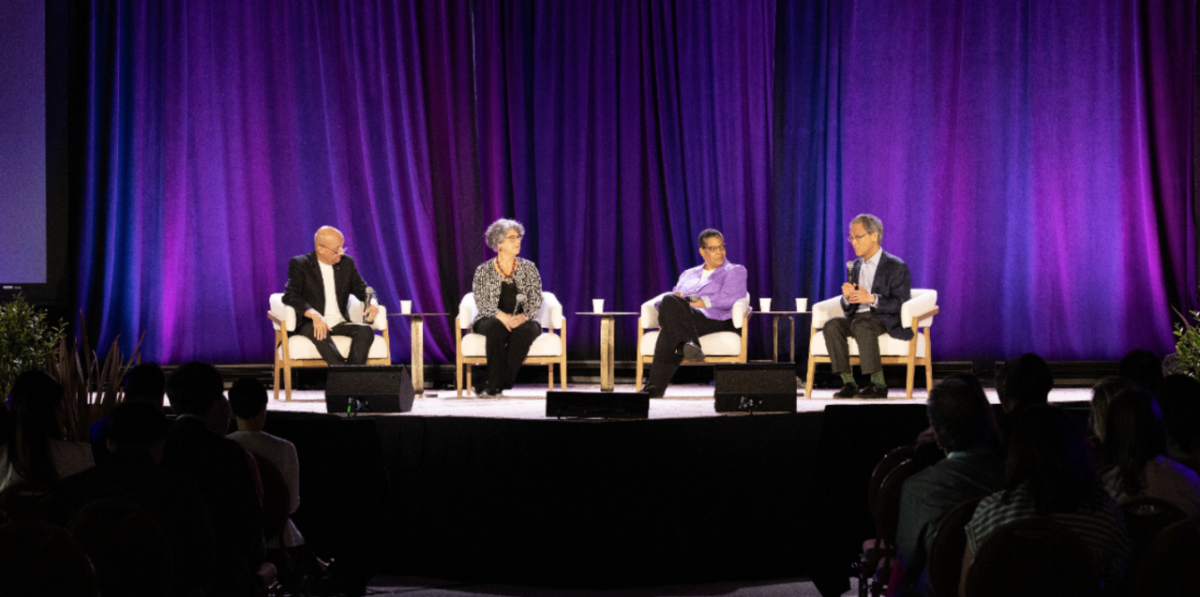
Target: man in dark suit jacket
<point x="879" y="284"/>
<point x="318" y="288"/>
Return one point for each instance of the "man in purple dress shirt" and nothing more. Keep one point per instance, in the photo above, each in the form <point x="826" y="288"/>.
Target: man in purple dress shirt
<point x="701" y="303"/>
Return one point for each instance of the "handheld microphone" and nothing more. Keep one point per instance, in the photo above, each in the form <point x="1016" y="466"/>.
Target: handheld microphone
<point x="850" y="272"/>
<point x="370" y="294"/>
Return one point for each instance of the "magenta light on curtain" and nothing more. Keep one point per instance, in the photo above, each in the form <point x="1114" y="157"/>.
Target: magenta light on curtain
<point x="1030" y="160"/>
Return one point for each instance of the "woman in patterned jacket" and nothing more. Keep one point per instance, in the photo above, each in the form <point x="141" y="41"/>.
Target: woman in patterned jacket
<point x="508" y="294"/>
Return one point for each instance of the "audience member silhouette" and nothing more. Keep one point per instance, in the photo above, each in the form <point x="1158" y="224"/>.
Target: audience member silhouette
<point x="1025" y="382"/>
<point x="39" y="559"/>
<point x="221" y="469"/>
<point x="1102" y="395"/>
<point x="1049" y="472"/>
<point x="964" y="427"/>
<point x="1179" y="397"/>
<point x="1143" y="368"/>
<point x="248" y="400"/>
<point x="1136" y="449"/>
<point x="146" y="383"/>
<point x="143" y="383"/>
<point x="137" y="437"/>
<point x="38" y="452"/>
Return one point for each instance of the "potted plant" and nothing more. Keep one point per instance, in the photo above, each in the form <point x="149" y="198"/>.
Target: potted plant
<point x="27" y="338"/>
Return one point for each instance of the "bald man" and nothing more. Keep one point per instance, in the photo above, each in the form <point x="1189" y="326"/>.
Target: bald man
<point x="319" y="287"/>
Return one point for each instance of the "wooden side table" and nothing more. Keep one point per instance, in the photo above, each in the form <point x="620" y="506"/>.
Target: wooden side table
<point x="607" y="345"/>
<point x="791" y="315"/>
<point x="417" y="327"/>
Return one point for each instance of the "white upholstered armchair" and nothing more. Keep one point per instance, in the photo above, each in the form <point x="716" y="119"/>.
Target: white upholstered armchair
<point x="916" y="314"/>
<point x="548" y="349"/>
<point x="719" y="347"/>
<point x="293" y="351"/>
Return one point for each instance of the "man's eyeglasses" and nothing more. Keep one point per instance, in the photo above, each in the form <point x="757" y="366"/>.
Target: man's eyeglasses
<point x="855" y="239"/>
<point x="338" y="251"/>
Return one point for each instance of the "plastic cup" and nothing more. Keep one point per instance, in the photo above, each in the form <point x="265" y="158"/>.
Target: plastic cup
<point x="802" y="305"/>
<point x="405" y="307"/>
<point x="765" y="304"/>
<point x="598" y="305"/>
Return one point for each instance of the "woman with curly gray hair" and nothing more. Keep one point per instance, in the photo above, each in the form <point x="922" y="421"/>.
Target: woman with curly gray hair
<point x="508" y="294"/>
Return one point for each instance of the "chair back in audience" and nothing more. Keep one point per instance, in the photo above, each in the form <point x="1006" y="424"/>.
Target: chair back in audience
<point x="1033" y="557"/>
<point x="887" y="512"/>
<point x="946" y="551"/>
<point x="1145" y="518"/>
<point x="875" y="563"/>
<point x="1168" y="566"/>
<point x="885" y="466"/>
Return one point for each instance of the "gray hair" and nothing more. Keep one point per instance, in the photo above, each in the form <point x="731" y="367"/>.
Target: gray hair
<point x="870" y="223"/>
<point x="498" y="230"/>
<point x="709" y="233"/>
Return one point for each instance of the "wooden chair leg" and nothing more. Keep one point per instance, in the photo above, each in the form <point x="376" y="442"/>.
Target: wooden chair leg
<point x="287" y="380"/>
<point x="640" y="366"/>
<point x="808" y="378"/>
<point x="912" y="369"/>
<point x="276" y="379"/>
<point x="928" y="362"/>
<point x="562" y="373"/>
<point x="470" y="387"/>
<point x="550" y="369"/>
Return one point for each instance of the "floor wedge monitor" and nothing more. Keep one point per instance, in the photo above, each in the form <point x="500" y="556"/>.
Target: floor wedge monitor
<point x="756" y="387"/>
<point x="368" y="389"/>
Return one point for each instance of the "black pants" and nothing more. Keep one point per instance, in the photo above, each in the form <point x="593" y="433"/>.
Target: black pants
<point x="361" y="337"/>
<point x="505" y="350"/>
<point x="679" y="323"/>
<point x="865" y="328"/>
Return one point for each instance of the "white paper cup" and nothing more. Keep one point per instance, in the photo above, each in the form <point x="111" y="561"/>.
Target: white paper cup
<point x="765" y="304"/>
<point x="597" y="305"/>
<point x="802" y="305"/>
<point x="405" y="307"/>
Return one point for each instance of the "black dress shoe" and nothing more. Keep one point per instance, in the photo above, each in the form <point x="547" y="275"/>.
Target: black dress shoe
<point x="655" y="392"/>
<point x="848" y="391"/>
<point x="692" y="352"/>
<point x="873" y="391"/>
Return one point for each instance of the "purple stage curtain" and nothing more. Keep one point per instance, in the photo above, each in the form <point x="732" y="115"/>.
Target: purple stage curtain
<point x="1030" y="160"/>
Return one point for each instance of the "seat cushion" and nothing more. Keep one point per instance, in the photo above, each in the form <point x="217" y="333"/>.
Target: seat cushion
<point x="888" y="346"/>
<point x="720" y="344"/>
<point x="300" y="347"/>
<point x="546" y="345"/>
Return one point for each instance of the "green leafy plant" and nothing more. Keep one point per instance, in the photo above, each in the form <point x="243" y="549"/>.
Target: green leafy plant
<point x="27" y="337"/>
<point x="1187" y="345"/>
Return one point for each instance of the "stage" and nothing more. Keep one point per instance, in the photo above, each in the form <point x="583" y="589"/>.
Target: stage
<point x="493" y="491"/>
<point x="683" y="401"/>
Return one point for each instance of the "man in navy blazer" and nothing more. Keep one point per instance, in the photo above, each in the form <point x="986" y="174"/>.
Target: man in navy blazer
<point x="879" y="284"/>
<point x="701" y="303"/>
<point x="318" y="288"/>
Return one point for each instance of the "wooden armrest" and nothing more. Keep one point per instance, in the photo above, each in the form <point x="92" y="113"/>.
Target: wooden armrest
<point x="275" y="318"/>
<point x="926" y="315"/>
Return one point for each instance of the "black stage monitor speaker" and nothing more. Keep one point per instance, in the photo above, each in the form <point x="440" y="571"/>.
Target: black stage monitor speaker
<point x="368" y="389"/>
<point x="756" y="387"/>
<point x="604" y="405"/>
